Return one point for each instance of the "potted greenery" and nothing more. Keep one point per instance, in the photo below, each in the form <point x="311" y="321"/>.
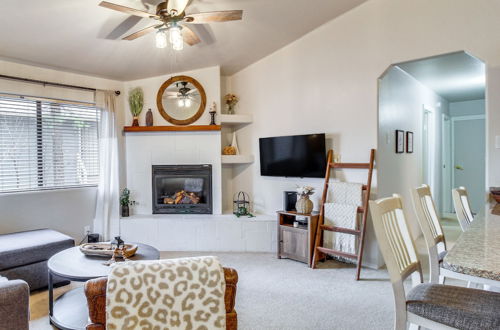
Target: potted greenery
<point x="136" y="102"/>
<point x="125" y="202"/>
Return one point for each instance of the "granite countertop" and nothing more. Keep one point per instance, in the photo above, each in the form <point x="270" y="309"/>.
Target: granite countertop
<point x="477" y="251"/>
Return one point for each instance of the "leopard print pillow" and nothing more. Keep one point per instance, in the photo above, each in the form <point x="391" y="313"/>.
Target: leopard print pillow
<point x="186" y="293"/>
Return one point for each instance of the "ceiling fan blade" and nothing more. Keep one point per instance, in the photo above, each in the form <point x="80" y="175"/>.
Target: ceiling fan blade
<point x="127" y="10"/>
<point x="189" y="36"/>
<point x="142" y="32"/>
<point x="214" y="16"/>
<point x="177" y="6"/>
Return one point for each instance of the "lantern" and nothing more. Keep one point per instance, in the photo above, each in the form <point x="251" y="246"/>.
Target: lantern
<point x="241" y="204"/>
<point x="117" y="243"/>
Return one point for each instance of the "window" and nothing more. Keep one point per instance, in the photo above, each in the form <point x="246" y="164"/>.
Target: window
<point x="46" y="144"/>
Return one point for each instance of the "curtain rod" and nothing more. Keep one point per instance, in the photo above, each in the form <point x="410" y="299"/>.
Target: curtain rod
<point x="33" y="81"/>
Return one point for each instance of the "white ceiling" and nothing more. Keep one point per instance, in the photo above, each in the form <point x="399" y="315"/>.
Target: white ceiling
<point x="456" y="77"/>
<point x="80" y="36"/>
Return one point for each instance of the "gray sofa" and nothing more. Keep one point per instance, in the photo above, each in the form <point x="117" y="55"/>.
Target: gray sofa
<point x="14" y="304"/>
<point x="24" y="255"/>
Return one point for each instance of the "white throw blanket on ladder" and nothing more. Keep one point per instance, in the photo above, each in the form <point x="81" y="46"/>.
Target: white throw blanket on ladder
<point x="186" y="293"/>
<point x="342" y="212"/>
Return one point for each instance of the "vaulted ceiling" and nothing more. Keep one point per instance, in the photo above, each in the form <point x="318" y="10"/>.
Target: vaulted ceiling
<point x="80" y="36"/>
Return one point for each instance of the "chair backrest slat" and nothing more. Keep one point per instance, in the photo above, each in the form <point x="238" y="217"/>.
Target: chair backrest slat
<point x="431" y="228"/>
<point x="427" y="215"/>
<point x="462" y="207"/>
<point x="394" y="237"/>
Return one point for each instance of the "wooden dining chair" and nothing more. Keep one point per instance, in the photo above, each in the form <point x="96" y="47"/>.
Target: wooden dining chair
<point x="428" y="221"/>
<point x="430" y="305"/>
<point x="462" y="207"/>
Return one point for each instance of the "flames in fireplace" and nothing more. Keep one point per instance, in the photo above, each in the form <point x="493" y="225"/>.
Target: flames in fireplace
<point x="182" y="197"/>
<point x="181" y="189"/>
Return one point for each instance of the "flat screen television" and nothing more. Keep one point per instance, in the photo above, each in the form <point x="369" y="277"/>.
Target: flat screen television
<point x="293" y="156"/>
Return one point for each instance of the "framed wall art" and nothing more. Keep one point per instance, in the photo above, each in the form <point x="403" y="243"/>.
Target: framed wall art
<point x="409" y="142"/>
<point x="400" y="141"/>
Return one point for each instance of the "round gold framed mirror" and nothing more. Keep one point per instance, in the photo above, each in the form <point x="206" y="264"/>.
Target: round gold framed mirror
<point x="181" y="100"/>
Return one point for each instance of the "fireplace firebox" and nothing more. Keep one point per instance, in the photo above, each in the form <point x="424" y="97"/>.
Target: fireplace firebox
<point x="182" y="189"/>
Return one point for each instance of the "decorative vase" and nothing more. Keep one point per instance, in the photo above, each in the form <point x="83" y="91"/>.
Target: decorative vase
<point x="230" y="109"/>
<point x="125" y="211"/>
<point x="234" y="144"/>
<point x="304" y="205"/>
<point x="135" y="122"/>
<point x="149" y="118"/>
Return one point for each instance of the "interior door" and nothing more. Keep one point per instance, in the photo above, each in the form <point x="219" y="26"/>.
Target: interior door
<point x="469" y="156"/>
<point x="446" y="206"/>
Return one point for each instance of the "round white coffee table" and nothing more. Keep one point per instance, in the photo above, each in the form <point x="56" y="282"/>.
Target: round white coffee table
<point x="70" y="310"/>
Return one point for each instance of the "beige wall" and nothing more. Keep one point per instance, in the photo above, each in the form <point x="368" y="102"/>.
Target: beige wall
<point x="327" y="80"/>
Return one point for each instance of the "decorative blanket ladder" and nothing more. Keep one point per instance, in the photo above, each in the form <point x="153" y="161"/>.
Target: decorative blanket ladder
<point x="318" y="242"/>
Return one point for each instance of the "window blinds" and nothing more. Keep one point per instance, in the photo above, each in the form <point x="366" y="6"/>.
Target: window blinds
<point x="46" y="144"/>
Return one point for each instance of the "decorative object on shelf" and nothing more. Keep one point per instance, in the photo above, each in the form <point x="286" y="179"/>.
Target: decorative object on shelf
<point x="117" y="243"/>
<point x="213" y="111"/>
<point x="136" y="102"/>
<point x="106" y="250"/>
<point x="234" y="144"/>
<point x="231" y="101"/>
<point x="181" y="100"/>
<point x="125" y="202"/>
<point x="241" y="205"/>
<point x="304" y="205"/>
<point x="495" y="193"/>
<point x="171" y="22"/>
<point x="229" y="150"/>
<point x="400" y="141"/>
<point x="409" y="142"/>
<point x="149" y="118"/>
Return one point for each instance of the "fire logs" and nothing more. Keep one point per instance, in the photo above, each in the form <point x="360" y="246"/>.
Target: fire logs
<point x="182" y="197"/>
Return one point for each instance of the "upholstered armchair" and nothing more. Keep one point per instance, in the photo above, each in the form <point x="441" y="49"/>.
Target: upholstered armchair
<point x="14" y="304"/>
<point x="95" y="291"/>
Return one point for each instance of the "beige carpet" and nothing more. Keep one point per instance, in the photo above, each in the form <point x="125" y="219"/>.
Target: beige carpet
<point x="284" y="294"/>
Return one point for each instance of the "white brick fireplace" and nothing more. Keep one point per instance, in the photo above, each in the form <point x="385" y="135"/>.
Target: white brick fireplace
<point x="191" y="232"/>
<point x="143" y="150"/>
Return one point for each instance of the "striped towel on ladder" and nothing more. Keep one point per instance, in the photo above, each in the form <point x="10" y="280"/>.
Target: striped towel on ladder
<point x="342" y="211"/>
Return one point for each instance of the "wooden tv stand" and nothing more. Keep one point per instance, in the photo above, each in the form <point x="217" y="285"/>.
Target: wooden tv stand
<point x="296" y="243"/>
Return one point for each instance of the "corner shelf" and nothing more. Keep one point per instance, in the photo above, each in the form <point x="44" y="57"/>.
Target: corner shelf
<point x="237" y="159"/>
<point x="233" y="120"/>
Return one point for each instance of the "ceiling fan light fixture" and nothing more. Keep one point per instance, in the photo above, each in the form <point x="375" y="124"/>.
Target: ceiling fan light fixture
<point x="175" y="37"/>
<point x="187" y="103"/>
<point x="161" y="39"/>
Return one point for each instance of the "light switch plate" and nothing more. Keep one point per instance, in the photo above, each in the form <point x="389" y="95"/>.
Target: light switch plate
<point x="497" y="141"/>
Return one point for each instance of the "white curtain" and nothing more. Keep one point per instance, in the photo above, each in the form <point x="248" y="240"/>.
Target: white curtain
<point x="106" y="221"/>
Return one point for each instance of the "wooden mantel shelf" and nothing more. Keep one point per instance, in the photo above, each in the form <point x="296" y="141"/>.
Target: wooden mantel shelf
<point x="187" y="128"/>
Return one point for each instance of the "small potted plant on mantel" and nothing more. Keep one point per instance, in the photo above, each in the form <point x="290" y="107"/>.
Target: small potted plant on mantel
<point x="125" y="202"/>
<point x="136" y="102"/>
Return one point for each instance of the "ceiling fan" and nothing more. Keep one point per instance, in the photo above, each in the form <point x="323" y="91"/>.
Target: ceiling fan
<point x="184" y="95"/>
<point x="174" y="20"/>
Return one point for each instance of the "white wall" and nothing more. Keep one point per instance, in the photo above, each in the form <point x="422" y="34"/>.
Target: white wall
<point x="467" y="108"/>
<point x="401" y="102"/>
<point x="327" y="80"/>
<point x="66" y="210"/>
